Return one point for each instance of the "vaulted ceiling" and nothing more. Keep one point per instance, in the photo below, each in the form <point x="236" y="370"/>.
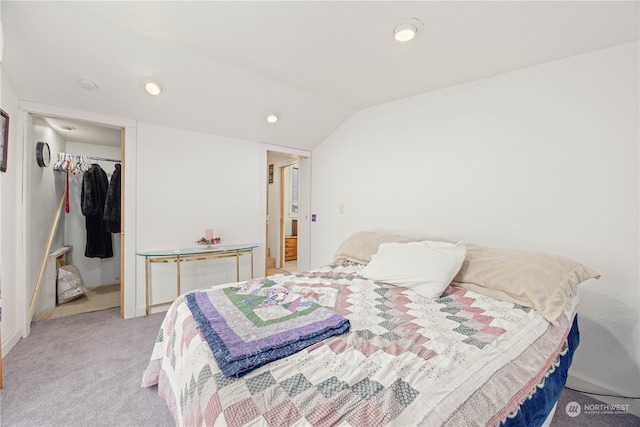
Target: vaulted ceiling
<point x="226" y="65"/>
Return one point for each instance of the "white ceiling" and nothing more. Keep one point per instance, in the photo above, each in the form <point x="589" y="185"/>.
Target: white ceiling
<point x="82" y="131"/>
<point x="226" y="65"/>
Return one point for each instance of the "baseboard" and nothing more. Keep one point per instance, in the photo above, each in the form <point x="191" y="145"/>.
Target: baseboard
<point x="579" y="383"/>
<point x="10" y="342"/>
<point x="140" y="311"/>
<point x="588" y="385"/>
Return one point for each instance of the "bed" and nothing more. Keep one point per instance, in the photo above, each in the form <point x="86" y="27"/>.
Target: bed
<point x="483" y="351"/>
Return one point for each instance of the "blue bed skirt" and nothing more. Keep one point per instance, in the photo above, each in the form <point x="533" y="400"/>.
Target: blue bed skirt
<point x="535" y="411"/>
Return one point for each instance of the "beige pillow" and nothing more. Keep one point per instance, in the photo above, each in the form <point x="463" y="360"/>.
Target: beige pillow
<point x="362" y="244"/>
<point x="542" y="281"/>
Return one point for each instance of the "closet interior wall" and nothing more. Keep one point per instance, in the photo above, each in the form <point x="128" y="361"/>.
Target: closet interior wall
<point x="95" y="271"/>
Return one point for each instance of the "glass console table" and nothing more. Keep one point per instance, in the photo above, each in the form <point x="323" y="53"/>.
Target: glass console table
<point x="192" y="254"/>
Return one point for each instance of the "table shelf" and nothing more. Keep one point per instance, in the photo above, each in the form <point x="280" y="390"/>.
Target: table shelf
<point x="192" y="254"/>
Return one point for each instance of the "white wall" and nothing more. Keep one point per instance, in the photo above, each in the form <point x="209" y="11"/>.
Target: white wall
<point x="190" y="181"/>
<point x="10" y="193"/>
<point x="543" y="159"/>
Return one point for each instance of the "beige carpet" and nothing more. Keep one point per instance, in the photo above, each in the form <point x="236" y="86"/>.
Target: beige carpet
<point x="98" y="298"/>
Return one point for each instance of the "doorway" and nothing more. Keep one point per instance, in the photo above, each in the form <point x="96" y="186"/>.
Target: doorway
<point x="289" y="203"/>
<point x="286" y="225"/>
<point x="95" y="278"/>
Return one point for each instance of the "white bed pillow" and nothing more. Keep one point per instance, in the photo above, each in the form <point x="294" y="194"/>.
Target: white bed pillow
<point x="426" y="267"/>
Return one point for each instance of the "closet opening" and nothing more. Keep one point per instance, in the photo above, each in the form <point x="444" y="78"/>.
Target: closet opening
<point x="74" y="216"/>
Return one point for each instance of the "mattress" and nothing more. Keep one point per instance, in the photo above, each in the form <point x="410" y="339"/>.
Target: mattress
<point x="460" y="359"/>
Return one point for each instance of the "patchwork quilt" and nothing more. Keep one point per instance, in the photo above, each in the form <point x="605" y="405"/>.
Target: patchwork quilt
<point x="461" y="359"/>
<point x="257" y="322"/>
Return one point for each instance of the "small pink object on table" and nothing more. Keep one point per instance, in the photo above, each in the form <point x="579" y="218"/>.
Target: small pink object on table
<point x="208" y="234"/>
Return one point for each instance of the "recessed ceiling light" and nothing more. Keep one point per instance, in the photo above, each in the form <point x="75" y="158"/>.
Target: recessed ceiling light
<point x="272" y="118"/>
<point x="65" y="128"/>
<point x="406" y="29"/>
<point x="88" y="84"/>
<point x="153" y="88"/>
<point x="405" y="32"/>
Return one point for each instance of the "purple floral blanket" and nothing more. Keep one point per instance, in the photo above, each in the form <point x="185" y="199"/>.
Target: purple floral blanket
<point x="257" y="322"/>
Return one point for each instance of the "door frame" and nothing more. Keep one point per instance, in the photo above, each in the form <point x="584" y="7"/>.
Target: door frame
<point x="283" y="209"/>
<point x="128" y="261"/>
<point x="304" y="198"/>
<point x="281" y="248"/>
<point x="122" y="219"/>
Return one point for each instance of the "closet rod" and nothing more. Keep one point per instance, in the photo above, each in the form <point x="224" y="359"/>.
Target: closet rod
<point x="101" y="158"/>
<point x="92" y="157"/>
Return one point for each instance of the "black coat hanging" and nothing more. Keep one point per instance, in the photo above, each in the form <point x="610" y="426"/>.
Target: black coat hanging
<point x="93" y="198"/>
<point x="112" y="205"/>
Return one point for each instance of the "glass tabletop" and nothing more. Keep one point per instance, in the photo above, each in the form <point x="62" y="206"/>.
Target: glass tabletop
<point x="220" y="247"/>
